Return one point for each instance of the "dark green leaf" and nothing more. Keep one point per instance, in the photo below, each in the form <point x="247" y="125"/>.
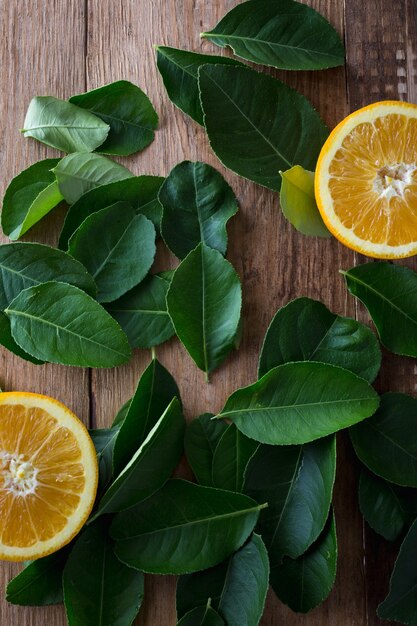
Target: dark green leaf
<point x="231" y="457"/>
<point x="258" y="126"/>
<point x="40" y="583"/>
<point x="305" y="330"/>
<point x="298" y="202"/>
<point x="184" y="528"/>
<point x="201" y="616"/>
<point x="286" y="34"/>
<point x="127" y="110"/>
<point x="389" y="292"/>
<point x="201" y="438"/>
<point x="298" y="402"/>
<point x="179" y="71"/>
<point x="7" y="341"/>
<point x="29" y="197"/>
<point x="197" y="203"/>
<point x="386" y="443"/>
<point x="305" y="582"/>
<point x="60" y="323"/>
<point x="204" y="301"/>
<point x="98" y="589"/>
<point x="79" y="172"/>
<point x="104" y="440"/>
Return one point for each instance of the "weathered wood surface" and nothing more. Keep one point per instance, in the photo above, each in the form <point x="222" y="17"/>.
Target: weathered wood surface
<point x="67" y="46"/>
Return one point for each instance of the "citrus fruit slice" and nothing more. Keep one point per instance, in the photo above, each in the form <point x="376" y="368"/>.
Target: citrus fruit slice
<point x="366" y="180"/>
<point x="48" y="475"/>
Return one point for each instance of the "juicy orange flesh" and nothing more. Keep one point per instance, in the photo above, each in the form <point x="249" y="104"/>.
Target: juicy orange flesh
<point x="374" y="157"/>
<point x="53" y="453"/>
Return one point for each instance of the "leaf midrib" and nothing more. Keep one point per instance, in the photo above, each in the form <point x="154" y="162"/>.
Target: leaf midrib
<point x="292" y="406"/>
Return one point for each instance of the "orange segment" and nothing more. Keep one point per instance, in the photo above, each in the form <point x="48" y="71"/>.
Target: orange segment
<point x="366" y="180"/>
<point x="48" y="475"/>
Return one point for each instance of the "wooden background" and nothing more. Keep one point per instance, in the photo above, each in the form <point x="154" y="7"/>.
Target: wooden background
<point x="63" y="47"/>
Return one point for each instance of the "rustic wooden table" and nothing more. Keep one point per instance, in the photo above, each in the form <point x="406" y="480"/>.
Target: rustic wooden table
<point x="65" y="47"/>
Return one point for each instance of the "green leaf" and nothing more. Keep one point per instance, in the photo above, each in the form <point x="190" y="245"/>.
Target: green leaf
<point x="104" y="440"/>
<point x="389" y="292"/>
<point x="40" y="583"/>
<point x="298" y="202"/>
<point x="127" y="110"/>
<point x="237" y="588"/>
<point x="257" y="126"/>
<point x="183" y="528"/>
<point x="230" y="459"/>
<point x="204" y="302"/>
<point x="305" y="330"/>
<point x="151" y="465"/>
<point x="121" y="413"/>
<point x="79" y="172"/>
<point x="60" y="323"/>
<point x="201" y="438"/>
<point x="386" y="443"/>
<point x="298" y="491"/>
<point x="285" y="34"/>
<point x="197" y="203"/>
<point x="143" y="314"/>
<point x="98" y="588"/>
<point x="29" y="197"/>
<point x="141" y="192"/>
<point x="63" y="126"/>
<point x="155" y="391"/>
<point x="201" y="616"/>
<point x="7" y="341"/>
<point x="401" y="603"/>
<point x="179" y="71"/>
<point x="117" y="247"/>
<point x="296" y="403"/>
<point x="305" y="582"/>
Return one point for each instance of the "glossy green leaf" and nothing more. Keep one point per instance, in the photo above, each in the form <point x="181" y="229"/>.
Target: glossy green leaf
<point x="40" y="583"/>
<point x="286" y="34"/>
<point x="120" y="416"/>
<point x="389" y="292"/>
<point x="184" y="528"/>
<point x="151" y="465"/>
<point x="98" y="588"/>
<point x="179" y="71"/>
<point x="298" y="202"/>
<point x="230" y="459"/>
<point x="155" y="391"/>
<point x="117" y="247"/>
<point x="142" y="313"/>
<point x="127" y="110"/>
<point x="201" y="438"/>
<point x="60" y="323"/>
<point x="204" y="302"/>
<point x="298" y="491"/>
<point x="258" y="126"/>
<point x="237" y="588"/>
<point x="141" y="192"/>
<point x="79" y="172"/>
<point x="63" y="126"/>
<point x="29" y="197"/>
<point x="305" y="582"/>
<point x="305" y="330"/>
<point x="296" y="403"/>
<point x="386" y="443"/>
<point x="7" y="341"/>
<point x="401" y="603"/>
<point x="197" y="203"/>
<point x="104" y="440"/>
<point x="201" y="616"/>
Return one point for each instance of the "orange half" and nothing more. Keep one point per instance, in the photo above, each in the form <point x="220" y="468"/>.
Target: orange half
<point x="366" y="180"/>
<point x="48" y="475"/>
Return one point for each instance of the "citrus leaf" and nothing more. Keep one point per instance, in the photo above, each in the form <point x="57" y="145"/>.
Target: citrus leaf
<point x="98" y="588"/>
<point x="63" y="126"/>
<point x="230" y="459"/>
<point x="127" y="110"/>
<point x="183" y="528"/>
<point x="389" y="292"/>
<point x="296" y="403"/>
<point x="305" y="330"/>
<point x="201" y="616"/>
<point x="104" y="440"/>
<point x="204" y="302"/>
<point x="298" y="202"/>
<point x="201" y="438"/>
<point x="257" y="126"/>
<point x="285" y="34"/>
<point x="386" y="443"/>
<point x="179" y="71"/>
<point x="7" y="341"/>
<point x="197" y="203"/>
<point x="29" y="197"/>
<point x="60" y="323"/>
<point x="79" y="172"/>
